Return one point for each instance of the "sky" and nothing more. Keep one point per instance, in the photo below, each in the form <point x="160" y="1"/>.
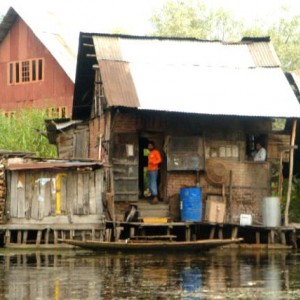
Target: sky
<point x="133" y="16"/>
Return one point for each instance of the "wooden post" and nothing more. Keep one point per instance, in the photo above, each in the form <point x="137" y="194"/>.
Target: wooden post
<point x="19" y="237"/>
<point x="55" y="235"/>
<point x="288" y="197"/>
<point x="47" y="236"/>
<point x="39" y="237"/>
<point x="230" y="196"/>
<point x="280" y="177"/>
<point x="25" y="235"/>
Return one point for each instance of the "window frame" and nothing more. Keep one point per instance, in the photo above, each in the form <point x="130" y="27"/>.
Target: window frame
<point x="25" y="71"/>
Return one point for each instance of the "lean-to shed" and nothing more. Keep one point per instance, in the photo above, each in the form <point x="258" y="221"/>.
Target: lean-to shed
<point x="51" y="198"/>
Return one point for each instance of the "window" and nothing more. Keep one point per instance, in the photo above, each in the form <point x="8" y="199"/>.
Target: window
<point x="57" y="112"/>
<point x="9" y="114"/>
<point x="26" y="71"/>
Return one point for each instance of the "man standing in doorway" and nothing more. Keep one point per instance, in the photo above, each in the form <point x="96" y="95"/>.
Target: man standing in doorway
<point x="154" y="159"/>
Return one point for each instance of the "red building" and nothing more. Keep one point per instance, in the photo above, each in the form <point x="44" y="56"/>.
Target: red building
<point x="37" y="66"/>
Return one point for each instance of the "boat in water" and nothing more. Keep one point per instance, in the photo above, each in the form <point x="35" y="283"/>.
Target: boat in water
<point x="144" y="245"/>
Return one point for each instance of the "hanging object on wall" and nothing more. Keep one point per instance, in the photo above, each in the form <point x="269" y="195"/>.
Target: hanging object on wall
<point x="216" y="171"/>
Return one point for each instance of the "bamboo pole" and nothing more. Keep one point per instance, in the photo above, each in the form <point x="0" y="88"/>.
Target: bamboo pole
<point x="291" y="166"/>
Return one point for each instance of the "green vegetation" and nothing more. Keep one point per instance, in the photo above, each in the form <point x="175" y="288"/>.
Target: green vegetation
<point x="192" y="19"/>
<point x="20" y="133"/>
<point x="294" y="209"/>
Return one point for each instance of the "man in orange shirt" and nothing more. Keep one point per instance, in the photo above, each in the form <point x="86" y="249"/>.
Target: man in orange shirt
<point x="154" y="159"/>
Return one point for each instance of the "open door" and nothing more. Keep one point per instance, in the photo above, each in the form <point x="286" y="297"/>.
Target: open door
<point x="158" y="139"/>
<point x="125" y="167"/>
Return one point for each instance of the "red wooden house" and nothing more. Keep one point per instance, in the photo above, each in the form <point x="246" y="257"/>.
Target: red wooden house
<point x="37" y="65"/>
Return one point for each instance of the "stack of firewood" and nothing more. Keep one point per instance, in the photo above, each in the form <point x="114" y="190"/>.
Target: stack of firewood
<point x="2" y="193"/>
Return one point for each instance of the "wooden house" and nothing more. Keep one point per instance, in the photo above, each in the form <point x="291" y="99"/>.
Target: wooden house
<point x="43" y="200"/>
<point x="37" y="65"/>
<point x="202" y="102"/>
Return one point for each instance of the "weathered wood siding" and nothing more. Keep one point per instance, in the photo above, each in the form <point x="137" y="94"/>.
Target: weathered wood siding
<point x="37" y="195"/>
<point x="74" y="142"/>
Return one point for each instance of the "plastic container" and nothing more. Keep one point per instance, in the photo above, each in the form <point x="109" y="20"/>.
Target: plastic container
<point x="191" y="204"/>
<point x="271" y="212"/>
<point x="245" y="220"/>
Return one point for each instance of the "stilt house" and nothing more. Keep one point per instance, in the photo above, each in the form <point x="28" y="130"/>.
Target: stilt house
<point x="203" y="103"/>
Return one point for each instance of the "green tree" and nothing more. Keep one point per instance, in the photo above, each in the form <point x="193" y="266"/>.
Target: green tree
<point x="285" y="36"/>
<point x="192" y="19"/>
<point x="20" y="133"/>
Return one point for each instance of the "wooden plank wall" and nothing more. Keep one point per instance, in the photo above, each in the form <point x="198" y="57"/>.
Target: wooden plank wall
<point x="39" y="194"/>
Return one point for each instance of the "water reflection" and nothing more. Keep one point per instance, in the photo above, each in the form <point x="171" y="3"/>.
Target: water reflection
<point x="89" y="275"/>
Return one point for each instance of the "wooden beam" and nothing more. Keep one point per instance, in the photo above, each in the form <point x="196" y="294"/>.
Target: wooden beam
<point x="291" y="166"/>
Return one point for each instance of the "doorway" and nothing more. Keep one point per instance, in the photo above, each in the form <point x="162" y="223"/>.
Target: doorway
<point x="158" y="139"/>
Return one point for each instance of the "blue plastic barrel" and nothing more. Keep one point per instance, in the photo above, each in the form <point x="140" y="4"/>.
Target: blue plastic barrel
<point x="191" y="204"/>
<point x="191" y="280"/>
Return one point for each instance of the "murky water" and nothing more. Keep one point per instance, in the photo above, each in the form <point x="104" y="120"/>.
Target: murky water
<point x="87" y="275"/>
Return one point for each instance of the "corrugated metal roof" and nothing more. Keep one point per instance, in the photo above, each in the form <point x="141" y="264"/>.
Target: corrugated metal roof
<point x="263" y="54"/>
<point x="261" y="92"/>
<point x="212" y="78"/>
<point x="50" y="31"/>
<point x="50" y="165"/>
<point x="119" y="87"/>
<point x="202" y="53"/>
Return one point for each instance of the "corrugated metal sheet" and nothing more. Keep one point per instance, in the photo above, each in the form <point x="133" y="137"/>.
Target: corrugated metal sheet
<point x="195" y="77"/>
<point x="168" y="51"/>
<point x="203" y="53"/>
<point x="261" y="92"/>
<point x="263" y="54"/>
<point x="107" y="48"/>
<point x="119" y="87"/>
<point x="50" y="165"/>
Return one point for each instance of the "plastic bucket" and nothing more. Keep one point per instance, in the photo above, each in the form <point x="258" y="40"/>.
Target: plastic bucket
<point x="271" y="212"/>
<point x="191" y="204"/>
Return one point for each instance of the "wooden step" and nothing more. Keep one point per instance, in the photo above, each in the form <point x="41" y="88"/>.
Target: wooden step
<point x="159" y="210"/>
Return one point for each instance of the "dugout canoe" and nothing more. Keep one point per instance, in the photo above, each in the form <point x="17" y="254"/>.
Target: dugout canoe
<point x="128" y="245"/>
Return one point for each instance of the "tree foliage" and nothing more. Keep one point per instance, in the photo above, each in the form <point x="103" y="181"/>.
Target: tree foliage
<point x="20" y="133"/>
<point x="192" y="19"/>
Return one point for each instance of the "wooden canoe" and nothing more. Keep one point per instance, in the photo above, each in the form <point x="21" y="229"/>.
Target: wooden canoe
<point x="151" y="245"/>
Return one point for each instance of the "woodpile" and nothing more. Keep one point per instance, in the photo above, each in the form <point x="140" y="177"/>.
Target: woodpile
<point x="2" y="193"/>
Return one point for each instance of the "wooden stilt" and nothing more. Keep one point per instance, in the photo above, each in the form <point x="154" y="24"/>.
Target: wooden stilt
<point x="39" y="237"/>
<point x="55" y="234"/>
<point x="234" y="232"/>
<point x="7" y="236"/>
<point x="212" y="232"/>
<point x="187" y="233"/>
<point x="282" y="238"/>
<point x="25" y="236"/>
<point x="19" y="237"/>
<point x="132" y="232"/>
<point x="257" y="237"/>
<point x="47" y="233"/>
<point x="220" y="233"/>
<point x="271" y="237"/>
